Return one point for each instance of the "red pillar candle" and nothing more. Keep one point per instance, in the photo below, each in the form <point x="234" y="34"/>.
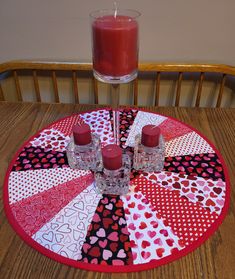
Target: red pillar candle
<point x="150" y="135"/>
<point x="112" y="157"/>
<point x="82" y="134"/>
<point x="115" y="45"/>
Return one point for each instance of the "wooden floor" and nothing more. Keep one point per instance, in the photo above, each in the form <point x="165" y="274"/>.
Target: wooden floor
<point x="214" y="259"/>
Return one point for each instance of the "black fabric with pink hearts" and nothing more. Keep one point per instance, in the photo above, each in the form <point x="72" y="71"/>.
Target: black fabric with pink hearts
<point x="31" y="158"/>
<point x="107" y="240"/>
<point x="207" y="165"/>
<point x="127" y="117"/>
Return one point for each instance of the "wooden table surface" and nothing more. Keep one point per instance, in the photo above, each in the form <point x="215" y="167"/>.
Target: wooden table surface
<point x="214" y="259"/>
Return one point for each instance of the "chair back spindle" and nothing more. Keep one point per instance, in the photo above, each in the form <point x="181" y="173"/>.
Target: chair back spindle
<point x="199" y="90"/>
<point x="147" y="71"/>
<point x="36" y="86"/>
<point x="95" y="85"/>
<point x="75" y="87"/>
<point x="55" y="87"/>
<point x="135" y="91"/>
<point x="17" y="85"/>
<point x="157" y="90"/>
<point x="178" y="90"/>
<point x="219" y="98"/>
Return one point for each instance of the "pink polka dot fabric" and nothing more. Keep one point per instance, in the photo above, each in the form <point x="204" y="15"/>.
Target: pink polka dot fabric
<point x="66" y="125"/>
<point x="165" y="215"/>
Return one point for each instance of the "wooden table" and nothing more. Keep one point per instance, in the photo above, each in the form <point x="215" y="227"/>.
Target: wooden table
<point x="214" y="259"/>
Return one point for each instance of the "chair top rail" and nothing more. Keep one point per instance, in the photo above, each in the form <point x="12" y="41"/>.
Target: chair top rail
<point x="143" y="67"/>
<point x="200" y="68"/>
<point x="43" y="65"/>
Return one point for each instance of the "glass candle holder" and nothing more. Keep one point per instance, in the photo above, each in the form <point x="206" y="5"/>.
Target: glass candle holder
<point x="114" y="182"/>
<point x="85" y="157"/>
<point x="115" y="45"/>
<point x="149" y="150"/>
<point x="115" y="175"/>
<point x="84" y="149"/>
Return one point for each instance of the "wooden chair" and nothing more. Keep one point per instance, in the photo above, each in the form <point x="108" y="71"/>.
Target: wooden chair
<point x="155" y="72"/>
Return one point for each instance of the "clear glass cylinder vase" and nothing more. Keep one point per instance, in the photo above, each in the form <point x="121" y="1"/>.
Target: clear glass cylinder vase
<point x="115" y="45"/>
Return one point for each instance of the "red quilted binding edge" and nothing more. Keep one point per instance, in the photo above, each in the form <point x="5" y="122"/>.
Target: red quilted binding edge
<point x="126" y="268"/>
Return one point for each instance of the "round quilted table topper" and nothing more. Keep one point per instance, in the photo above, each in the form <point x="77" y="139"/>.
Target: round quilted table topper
<point x="59" y="212"/>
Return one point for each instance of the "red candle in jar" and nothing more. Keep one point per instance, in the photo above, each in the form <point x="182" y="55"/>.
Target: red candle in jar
<point x="112" y="157"/>
<point x="115" y="45"/>
<point x="82" y="134"/>
<point x="150" y="135"/>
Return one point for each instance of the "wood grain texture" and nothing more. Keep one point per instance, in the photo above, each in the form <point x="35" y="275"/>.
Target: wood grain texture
<point x="214" y="259"/>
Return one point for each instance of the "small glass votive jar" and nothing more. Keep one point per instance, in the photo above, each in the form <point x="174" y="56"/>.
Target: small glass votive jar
<point x="84" y="149"/>
<point x="114" y="178"/>
<point x="115" y="45"/>
<point x="149" y="150"/>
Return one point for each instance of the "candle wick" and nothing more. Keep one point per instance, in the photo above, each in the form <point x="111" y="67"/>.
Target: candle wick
<point x="115" y="9"/>
<point x="154" y="126"/>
